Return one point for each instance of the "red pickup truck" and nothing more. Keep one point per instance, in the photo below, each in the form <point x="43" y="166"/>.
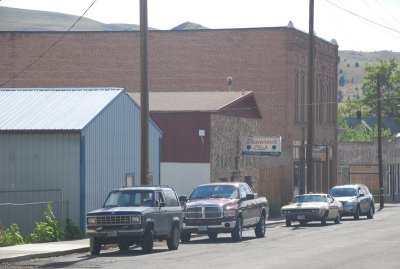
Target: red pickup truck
<point x="224" y="207"/>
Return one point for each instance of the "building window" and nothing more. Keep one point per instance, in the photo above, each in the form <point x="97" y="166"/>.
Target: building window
<point x="297" y="106"/>
<point x="130" y="180"/>
<point x="302" y="99"/>
<point x="248" y="180"/>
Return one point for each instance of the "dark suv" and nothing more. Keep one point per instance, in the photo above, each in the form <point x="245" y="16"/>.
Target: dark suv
<point x="356" y="199"/>
<point x="136" y="215"/>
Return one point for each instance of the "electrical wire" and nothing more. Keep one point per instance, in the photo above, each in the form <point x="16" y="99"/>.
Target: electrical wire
<point x="363" y="18"/>
<point x="49" y="48"/>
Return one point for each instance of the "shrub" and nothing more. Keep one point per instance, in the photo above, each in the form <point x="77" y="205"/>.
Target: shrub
<point x="11" y="236"/>
<point x="49" y="230"/>
<point x="72" y="231"/>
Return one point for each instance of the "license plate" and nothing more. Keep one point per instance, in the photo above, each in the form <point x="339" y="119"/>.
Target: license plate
<point x="112" y="234"/>
<point x="301" y="217"/>
<point x="202" y="228"/>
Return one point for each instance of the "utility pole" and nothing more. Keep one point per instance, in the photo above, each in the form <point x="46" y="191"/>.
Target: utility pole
<point x="379" y="122"/>
<point x="144" y="95"/>
<point x="310" y="118"/>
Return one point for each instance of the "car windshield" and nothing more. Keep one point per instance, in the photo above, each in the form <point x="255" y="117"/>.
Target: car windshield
<point x="215" y="191"/>
<point x="309" y="199"/>
<point x="130" y="198"/>
<point x="343" y="192"/>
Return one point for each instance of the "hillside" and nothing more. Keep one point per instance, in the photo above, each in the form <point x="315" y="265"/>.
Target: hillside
<point x="14" y="19"/>
<point x="351" y="69"/>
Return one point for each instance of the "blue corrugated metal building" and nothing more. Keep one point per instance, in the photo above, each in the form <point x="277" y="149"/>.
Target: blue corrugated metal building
<point x="68" y="147"/>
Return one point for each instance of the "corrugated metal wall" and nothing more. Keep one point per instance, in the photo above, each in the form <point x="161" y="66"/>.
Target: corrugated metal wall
<point x="112" y="150"/>
<point x="36" y="169"/>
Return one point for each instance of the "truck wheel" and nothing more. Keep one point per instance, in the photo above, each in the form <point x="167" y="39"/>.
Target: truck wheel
<point x="213" y="236"/>
<point x="148" y="241"/>
<point x="260" y="227"/>
<point x="288" y="223"/>
<point x="123" y="246"/>
<point x="173" y="241"/>
<point x="185" y="237"/>
<point x="95" y="246"/>
<point x="238" y="230"/>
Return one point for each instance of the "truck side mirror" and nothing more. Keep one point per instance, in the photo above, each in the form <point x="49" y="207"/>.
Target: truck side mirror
<point x="183" y="198"/>
<point x="250" y="196"/>
<point x="162" y="204"/>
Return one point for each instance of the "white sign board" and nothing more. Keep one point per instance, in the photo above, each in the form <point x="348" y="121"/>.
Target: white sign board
<point x="260" y="145"/>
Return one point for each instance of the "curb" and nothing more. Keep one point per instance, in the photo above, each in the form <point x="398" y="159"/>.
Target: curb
<point x="80" y="250"/>
<point x="43" y="255"/>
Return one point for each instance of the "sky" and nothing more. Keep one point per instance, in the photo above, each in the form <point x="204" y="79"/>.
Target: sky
<point x="359" y="25"/>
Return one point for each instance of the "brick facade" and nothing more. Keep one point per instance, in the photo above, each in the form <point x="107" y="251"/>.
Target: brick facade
<point x="271" y="62"/>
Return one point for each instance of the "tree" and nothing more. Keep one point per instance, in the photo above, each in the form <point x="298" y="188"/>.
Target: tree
<point x="390" y="88"/>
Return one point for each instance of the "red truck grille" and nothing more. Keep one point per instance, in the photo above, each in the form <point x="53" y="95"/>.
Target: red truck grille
<point x="204" y="212"/>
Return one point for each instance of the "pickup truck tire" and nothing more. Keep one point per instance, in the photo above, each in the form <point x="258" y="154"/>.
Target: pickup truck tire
<point x="323" y="220"/>
<point x="185" y="237"/>
<point x="95" y="246"/>
<point x="173" y="241"/>
<point x="260" y="227"/>
<point x="213" y="236"/>
<point x="288" y="223"/>
<point x="123" y="246"/>
<point x="148" y="241"/>
<point x="238" y="230"/>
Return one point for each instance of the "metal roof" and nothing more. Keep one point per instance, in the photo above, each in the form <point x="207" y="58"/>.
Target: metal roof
<point x="52" y="109"/>
<point x="191" y="101"/>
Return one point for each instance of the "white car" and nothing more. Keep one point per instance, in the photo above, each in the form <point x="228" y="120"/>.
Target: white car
<point x="312" y="207"/>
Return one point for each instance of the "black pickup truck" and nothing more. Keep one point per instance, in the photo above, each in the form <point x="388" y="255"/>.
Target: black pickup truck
<point x="136" y="215"/>
<point x="223" y="208"/>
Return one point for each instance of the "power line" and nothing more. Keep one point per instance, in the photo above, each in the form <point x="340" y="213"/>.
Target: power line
<point x="48" y="49"/>
<point x="361" y="17"/>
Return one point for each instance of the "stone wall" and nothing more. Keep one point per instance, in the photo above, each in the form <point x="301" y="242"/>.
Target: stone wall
<point x="226" y="162"/>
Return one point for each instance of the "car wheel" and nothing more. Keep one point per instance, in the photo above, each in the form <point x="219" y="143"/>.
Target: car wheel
<point x="302" y="222"/>
<point x="173" y="241"/>
<point x="185" y="237"/>
<point x="370" y="214"/>
<point x="323" y="220"/>
<point x="123" y="246"/>
<point x="213" y="236"/>
<point x="148" y="240"/>
<point x="288" y="223"/>
<point x="337" y="219"/>
<point x="260" y="227"/>
<point x="238" y="230"/>
<point x="357" y="213"/>
<point x="95" y="246"/>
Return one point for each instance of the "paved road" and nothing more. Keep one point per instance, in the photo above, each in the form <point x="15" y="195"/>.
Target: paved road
<point x="351" y="244"/>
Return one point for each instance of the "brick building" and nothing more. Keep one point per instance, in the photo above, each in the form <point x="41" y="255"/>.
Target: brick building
<point x="201" y="134"/>
<point x="271" y="62"/>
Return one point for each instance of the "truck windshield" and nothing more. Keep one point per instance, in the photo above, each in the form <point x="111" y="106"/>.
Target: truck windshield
<point x="130" y="198"/>
<point x="215" y="191"/>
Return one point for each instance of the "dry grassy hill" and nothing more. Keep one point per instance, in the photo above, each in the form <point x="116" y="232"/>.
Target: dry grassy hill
<point x="351" y="69"/>
<point x="14" y="19"/>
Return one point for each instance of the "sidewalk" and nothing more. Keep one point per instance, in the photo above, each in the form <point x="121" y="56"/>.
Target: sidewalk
<point x="44" y="250"/>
